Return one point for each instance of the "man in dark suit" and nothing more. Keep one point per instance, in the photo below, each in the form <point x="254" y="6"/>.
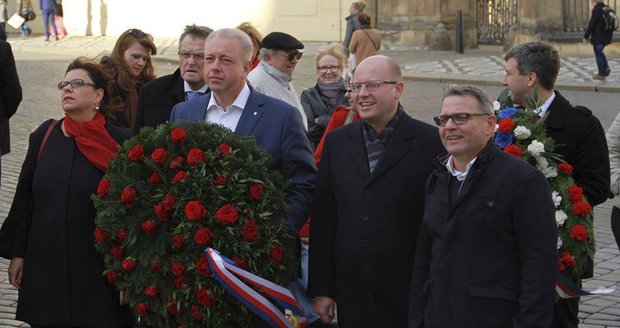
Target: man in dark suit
<point x="159" y="96"/>
<point x="599" y="38"/>
<point x="578" y="134"/>
<point x="10" y="94"/>
<point x="369" y="204"/>
<point x="275" y="124"/>
<point x="483" y="258"/>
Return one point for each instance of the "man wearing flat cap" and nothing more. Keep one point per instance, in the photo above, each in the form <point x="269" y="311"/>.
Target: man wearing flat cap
<point x="279" y="55"/>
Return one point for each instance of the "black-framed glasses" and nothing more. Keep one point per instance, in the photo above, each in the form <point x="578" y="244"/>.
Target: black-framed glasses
<point x="187" y="55"/>
<point x="457" y="118"/>
<point x="372" y="85"/>
<point x="324" y="69"/>
<point x="136" y="33"/>
<point x="75" y="83"/>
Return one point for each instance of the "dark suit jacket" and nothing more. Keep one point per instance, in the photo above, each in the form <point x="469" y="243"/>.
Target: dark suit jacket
<point x="595" y="27"/>
<point x="365" y="226"/>
<point x="489" y="257"/>
<point x="10" y="94"/>
<point x="157" y="98"/>
<point x="279" y="131"/>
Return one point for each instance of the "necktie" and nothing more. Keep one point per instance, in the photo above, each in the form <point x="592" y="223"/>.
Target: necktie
<point x="189" y="95"/>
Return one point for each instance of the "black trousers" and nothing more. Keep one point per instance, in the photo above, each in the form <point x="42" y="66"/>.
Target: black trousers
<point x="615" y="224"/>
<point x="565" y="313"/>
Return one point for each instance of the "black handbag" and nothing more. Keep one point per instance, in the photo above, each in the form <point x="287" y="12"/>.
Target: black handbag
<point x="30" y="16"/>
<point x="58" y="10"/>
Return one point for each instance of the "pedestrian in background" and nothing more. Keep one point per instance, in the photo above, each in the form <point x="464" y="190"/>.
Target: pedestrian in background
<point x="58" y="18"/>
<point x="599" y="38"/>
<point x="355" y="10"/>
<point x="10" y="95"/>
<point x="130" y="67"/>
<point x="54" y="264"/>
<point x="47" y="12"/>
<point x="257" y="41"/>
<point x="3" y="18"/>
<point x="613" y="142"/>
<point x="23" y="8"/>
<point x="366" y="40"/>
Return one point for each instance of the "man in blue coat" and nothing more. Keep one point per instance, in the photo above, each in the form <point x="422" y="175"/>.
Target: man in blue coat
<point x="276" y="125"/>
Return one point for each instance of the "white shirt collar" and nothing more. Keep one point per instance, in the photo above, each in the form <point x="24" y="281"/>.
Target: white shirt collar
<point x="456" y="173"/>
<point x="545" y="106"/>
<point x="240" y="101"/>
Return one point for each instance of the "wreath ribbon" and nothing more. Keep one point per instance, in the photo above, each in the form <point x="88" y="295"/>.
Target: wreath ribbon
<point x="227" y="273"/>
<point x="566" y="289"/>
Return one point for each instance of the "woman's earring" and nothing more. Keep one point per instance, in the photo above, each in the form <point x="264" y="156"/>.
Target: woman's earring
<point x="97" y="108"/>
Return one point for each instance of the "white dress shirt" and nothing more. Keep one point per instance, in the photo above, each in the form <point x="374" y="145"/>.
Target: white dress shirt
<point x="229" y="116"/>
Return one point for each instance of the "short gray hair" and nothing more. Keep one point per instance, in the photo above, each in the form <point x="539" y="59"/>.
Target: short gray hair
<point x="233" y="33"/>
<point x="264" y="52"/>
<point x="484" y="102"/>
<point x="196" y="32"/>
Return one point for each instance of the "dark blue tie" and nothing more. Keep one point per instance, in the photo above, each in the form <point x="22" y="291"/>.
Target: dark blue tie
<point x="189" y="95"/>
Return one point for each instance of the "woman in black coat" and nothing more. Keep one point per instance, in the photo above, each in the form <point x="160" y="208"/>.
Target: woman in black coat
<point x="53" y="259"/>
<point x="10" y="94"/>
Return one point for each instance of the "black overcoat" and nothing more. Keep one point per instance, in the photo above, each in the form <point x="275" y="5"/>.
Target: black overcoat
<point x="62" y="283"/>
<point x="595" y="28"/>
<point x="157" y="98"/>
<point x="10" y="94"/>
<point x="365" y="226"/>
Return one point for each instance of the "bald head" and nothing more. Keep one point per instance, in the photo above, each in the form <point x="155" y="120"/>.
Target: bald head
<point x="384" y="63"/>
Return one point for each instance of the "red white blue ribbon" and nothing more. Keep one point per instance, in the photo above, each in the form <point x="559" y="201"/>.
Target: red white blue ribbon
<point x="227" y="273"/>
<point x="566" y="289"/>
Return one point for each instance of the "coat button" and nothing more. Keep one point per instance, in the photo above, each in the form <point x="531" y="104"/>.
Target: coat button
<point x="365" y="267"/>
<point x="364" y="243"/>
<point x="366" y="192"/>
<point x="364" y="218"/>
<point x="491" y="204"/>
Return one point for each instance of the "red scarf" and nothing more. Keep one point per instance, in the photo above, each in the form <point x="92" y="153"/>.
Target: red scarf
<point x="93" y="140"/>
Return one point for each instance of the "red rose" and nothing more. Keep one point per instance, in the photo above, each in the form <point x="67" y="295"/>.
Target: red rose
<point x="561" y="266"/>
<point x="177" y="135"/>
<point x="128" y="264"/>
<point x="582" y="208"/>
<point x="116" y="252"/>
<point x="513" y="150"/>
<point x="256" y="191"/>
<point x="103" y="188"/>
<point x="128" y="197"/>
<point x="195" y="156"/>
<point x="566" y="168"/>
<point x="121" y="234"/>
<point x="148" y="226"/>
<point x="204" y="297"/>
<point x="101" y="235"/>
<point x="142" y="309"/>
<point x="159" y="155"/>
<point x="225" y="149"/>
<point x="178" y="241"/>
<point x="250" y="231"/>
<point x="112" y="276"/>
<point x="177" y="162"/>
<point x="568" y="259"/>
<point x="155" y="266"/>
<point x="275" y="253"/>
<point x="506" y="125"/>
<point x="161" y="212"/>
<point x="240" y="262"/>
<point x="202" y="266"/>
<point x="575" y="193"/>
<point x="136" y="153"/>
<point x="169" y="202"/>
<point x="196" y="313"/>
<point x="155" y="179"/>
<point x="226" y="214"/>
<point x="220" y="180"/>
<point x="194" y="210"/>
<point x="179" y="177"/>
<point x="177" y="269"/>
<point x="173" y="307"/>
<point x="151" y="291"/>
<point x="180" y="283"/>
<point x="203" y="236"/>
<point x="579" y="232"/>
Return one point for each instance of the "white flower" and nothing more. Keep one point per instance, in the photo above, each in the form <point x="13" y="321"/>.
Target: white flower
<point x="522" y="132"/>
<point x="557" y="199"/>
<point x="559" y="242"/>
<point x="536" y="148"/>
<point x="560" y="217"/>
<point x="496" y="105"/>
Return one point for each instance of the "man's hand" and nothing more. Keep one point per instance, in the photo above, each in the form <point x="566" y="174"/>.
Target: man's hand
<point x="584" y="41"/>
<point x="325" y="307"/>
<point x="16" y="268"/>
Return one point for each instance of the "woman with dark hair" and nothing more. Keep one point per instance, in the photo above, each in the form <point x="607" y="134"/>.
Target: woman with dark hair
<point x="53" y="259"/>
<point x="130" y="67"/>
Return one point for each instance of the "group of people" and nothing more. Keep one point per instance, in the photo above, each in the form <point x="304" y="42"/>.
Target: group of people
<point x="410" y="225"/>
<point x="51" y="13"/>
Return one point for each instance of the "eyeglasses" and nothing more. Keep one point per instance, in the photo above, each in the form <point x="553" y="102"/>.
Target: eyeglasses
<point x="324" y="69"/>
<point x="370" y="85"/>
<point x="75" y="83"/>
<point x="293" y="55"/>
<point x="136" y="33"/>
<point x="458" y="118"/>
<point x="187" y="55"/>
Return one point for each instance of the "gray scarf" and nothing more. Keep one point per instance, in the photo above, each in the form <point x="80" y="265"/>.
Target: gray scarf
<point x="331" y="90"/>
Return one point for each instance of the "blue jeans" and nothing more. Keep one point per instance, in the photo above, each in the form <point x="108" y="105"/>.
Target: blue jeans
<point x="48" y="18"/>
<point x="25" y="28"/>
<point x="601" y="60"/>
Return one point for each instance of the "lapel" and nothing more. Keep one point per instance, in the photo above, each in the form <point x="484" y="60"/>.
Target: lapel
<point x="251" y="114"/>
<point x="357" y="149"/>
<point x="397" y="147"/>
<point x="556" y="112"/>
<point x="481" y="164"/>
<point x="175" y="87"/>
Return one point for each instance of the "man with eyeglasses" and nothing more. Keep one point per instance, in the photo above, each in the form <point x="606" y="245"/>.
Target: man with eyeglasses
<point x="159" y="96"/>
<point x="279" y="55"/>
<point x="369" y="203"/>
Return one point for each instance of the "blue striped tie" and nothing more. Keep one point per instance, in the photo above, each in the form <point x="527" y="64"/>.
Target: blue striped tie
<point x="189" y="95"/>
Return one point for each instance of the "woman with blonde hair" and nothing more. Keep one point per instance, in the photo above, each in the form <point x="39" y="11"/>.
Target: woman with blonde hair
<point x="130" y="67"/>
<point x="257" y="40"/>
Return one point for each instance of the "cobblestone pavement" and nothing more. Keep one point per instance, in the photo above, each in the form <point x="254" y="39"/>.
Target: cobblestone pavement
<point x="41" y="64"/>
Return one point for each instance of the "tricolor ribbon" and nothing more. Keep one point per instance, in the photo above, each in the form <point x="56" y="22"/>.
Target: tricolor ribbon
<point x="566" y="289"/>
<point x="227" y="273"/>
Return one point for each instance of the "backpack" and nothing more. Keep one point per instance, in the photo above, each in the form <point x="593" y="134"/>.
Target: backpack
<point x="610" y="19"/>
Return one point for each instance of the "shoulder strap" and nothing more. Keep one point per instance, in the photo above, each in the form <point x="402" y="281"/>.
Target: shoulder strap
<point x="50" y="128"/>
<point x="371" y="40"/>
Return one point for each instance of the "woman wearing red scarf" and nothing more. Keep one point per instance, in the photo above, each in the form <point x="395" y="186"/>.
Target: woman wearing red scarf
<point x="53" y="261"/>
